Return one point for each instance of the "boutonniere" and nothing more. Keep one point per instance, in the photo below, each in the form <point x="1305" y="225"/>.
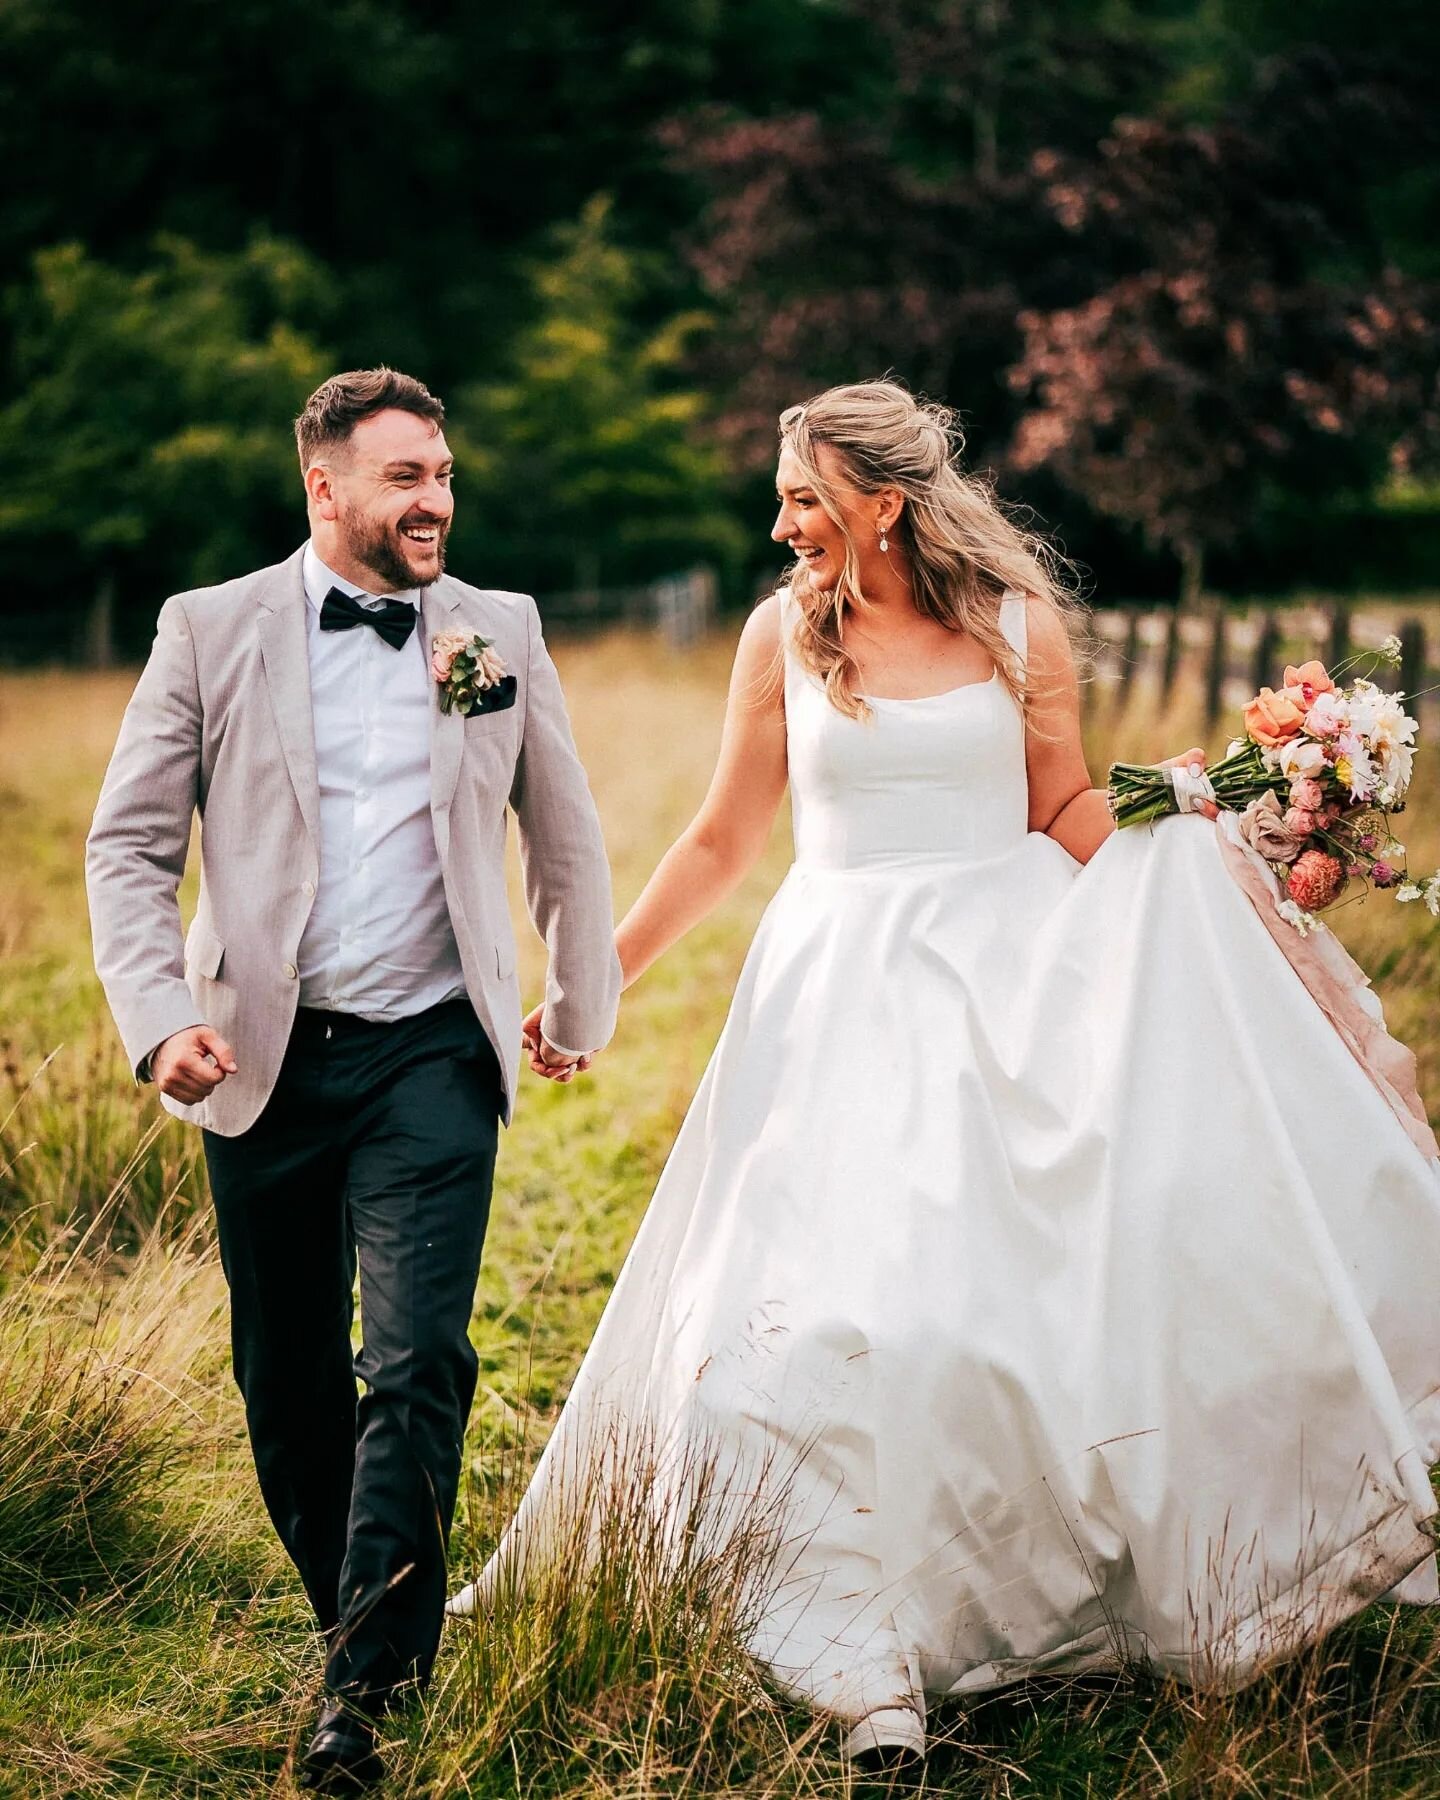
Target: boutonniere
<point x="465" y="665"/>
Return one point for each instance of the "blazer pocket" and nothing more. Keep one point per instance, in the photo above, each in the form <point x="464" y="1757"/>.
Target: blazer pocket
<point x="204" y="954"/>
<point x="492" y="700"/>
<point x="504" y="960"/>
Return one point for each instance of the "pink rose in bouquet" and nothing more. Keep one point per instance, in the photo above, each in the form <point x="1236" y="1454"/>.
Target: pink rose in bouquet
<point x="1307" y="793"/>
<point x="1328" y="717"/>
<point x="1267" y="829"/>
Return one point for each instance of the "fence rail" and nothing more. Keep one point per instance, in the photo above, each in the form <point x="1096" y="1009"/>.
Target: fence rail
<point x="681" y="607"/>
<point x="1233" y="651"/>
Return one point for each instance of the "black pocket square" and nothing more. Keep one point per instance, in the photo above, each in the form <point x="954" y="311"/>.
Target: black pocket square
<point x="493" y="699"/>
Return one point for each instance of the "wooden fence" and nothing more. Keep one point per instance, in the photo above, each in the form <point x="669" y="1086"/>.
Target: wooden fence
<point x="681" y="607"/>
<point x="1233" y="651"/>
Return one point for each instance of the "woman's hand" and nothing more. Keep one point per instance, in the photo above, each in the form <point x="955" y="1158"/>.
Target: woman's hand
<point x="545" y="1059"/>
<point x="1194" y="761"/>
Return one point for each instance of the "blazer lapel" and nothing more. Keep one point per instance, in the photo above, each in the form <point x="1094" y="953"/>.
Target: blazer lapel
<point x="285" y="655"/>
<point x="438" y="605"/>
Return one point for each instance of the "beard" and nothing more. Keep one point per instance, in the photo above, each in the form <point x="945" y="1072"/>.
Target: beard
<point x="381" y="548"/>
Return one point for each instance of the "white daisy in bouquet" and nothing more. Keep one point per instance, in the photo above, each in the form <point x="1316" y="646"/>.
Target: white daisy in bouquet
<point x="1317" y="777"/>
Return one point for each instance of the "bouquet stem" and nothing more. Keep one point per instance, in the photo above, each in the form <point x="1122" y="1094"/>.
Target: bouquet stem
<point x="1140" y="793"/>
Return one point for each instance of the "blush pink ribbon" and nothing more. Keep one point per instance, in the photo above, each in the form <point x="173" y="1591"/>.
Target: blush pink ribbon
<point x="1338" y="985"/>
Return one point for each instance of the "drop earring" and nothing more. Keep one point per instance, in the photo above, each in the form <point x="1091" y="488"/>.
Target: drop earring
<point x="884" y="541"/>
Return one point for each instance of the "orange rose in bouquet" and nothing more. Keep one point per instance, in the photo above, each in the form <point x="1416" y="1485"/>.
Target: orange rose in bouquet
<point x="1273" y="719"/>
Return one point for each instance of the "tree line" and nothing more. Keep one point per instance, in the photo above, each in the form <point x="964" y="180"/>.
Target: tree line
<point x="1174" y="261"/>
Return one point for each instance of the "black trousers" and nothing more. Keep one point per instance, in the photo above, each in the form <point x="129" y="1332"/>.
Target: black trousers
<point x="377" y="1147"/>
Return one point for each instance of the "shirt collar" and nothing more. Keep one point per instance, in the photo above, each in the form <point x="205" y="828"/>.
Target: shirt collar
<point x="319" y="578"/>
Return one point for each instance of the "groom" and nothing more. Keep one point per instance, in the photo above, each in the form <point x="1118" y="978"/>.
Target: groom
<point x="343" y="1018"/>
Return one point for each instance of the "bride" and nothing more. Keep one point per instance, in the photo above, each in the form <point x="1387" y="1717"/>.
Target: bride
<point x="1031" y="1215"/>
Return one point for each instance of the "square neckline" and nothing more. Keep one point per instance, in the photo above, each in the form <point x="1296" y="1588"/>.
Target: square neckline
<point x="962" y="687"/>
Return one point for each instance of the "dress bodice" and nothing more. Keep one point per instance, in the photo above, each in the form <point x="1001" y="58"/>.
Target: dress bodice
<point x="936" y="779"/>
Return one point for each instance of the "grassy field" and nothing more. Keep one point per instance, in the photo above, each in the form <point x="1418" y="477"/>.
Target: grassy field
<point x="152" y="1638"/>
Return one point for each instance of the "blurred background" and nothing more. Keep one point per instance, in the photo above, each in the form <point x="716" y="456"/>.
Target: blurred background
<point x="1175" y="261"/>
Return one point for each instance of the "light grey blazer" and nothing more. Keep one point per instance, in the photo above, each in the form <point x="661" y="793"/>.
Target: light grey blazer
<point x="221" y="720"/>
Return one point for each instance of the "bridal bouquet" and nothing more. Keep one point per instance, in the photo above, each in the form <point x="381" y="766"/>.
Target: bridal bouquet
<point x="1316" y="779"/>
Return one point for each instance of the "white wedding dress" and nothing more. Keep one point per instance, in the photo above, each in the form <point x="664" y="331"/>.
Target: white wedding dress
<point x="1035" y="1226"/>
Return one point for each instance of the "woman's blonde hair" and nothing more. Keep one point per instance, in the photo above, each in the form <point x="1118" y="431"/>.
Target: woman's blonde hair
<point x="964" y="553"/>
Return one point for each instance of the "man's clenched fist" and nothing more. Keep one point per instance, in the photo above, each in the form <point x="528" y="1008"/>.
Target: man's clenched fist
<point x="189" y="1064"/>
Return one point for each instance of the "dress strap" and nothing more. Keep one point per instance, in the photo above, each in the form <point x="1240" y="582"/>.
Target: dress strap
<point x="789" y="616"/>
<point x="1012" y="623"/>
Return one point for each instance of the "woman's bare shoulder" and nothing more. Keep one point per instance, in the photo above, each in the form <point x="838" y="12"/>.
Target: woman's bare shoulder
<point x="760" y="654"/>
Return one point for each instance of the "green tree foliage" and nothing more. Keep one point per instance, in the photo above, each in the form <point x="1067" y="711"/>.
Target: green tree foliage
<point x="1193" y="324"/>
<point x="589" y="457"/>
<point x="422" y="153"/>
<point x="150" y="429"/>
<point x="1238" y="351"/>
<point x="845" y="186"/>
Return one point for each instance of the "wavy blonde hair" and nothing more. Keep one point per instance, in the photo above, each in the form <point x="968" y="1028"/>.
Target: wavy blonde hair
<point x="963" y="550"/>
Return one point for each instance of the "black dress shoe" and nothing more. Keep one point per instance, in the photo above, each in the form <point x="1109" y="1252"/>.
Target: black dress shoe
<point x="342" y="1758"/>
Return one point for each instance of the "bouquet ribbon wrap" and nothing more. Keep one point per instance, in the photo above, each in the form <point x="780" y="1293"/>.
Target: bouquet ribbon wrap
<point x="1338" y="985"/>
<point x="1188" y="787"/>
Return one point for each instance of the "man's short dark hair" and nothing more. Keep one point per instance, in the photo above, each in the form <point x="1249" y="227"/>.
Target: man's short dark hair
<point x="340" y="404"/>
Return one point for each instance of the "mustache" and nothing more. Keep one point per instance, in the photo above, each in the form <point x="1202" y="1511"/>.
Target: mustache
<point x="422" y="520"/>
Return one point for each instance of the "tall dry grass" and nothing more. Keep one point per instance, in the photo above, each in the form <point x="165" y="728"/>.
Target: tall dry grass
<point x="152" y="1640"/>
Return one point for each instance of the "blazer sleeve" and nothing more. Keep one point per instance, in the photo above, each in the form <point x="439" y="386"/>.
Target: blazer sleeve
<point x="566" y="873"/>
<point x="136" y="849"/>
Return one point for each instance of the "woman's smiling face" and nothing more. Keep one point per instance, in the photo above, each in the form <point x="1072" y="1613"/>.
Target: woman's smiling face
<point x="817" y="540"/>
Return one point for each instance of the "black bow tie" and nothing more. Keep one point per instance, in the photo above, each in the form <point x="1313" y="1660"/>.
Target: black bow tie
<point x="394" y="621"/>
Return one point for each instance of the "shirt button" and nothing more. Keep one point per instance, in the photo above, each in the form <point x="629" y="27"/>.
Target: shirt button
<point x="290" y="971"/>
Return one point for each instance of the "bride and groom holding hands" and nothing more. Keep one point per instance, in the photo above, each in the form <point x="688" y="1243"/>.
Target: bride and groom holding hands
<point x="1080" y="1324"/>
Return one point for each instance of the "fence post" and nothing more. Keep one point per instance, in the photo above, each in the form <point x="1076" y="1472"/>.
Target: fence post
<point x="1412" y="657"/>
<point x="1267" y="641"/>
<point x="99" y="632"/>
<point x="683" y="606"/>
<point x="1338" y="647"/>
<point x="1215" y="663"/>
<point x="1172" y="654"/>
<point x="1130" y="656"/>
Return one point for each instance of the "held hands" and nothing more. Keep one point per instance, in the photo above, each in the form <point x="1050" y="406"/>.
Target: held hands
<point x="192" y="1062"/>
<point x="545" y="1059"/>
<point x="1194" y="761"/>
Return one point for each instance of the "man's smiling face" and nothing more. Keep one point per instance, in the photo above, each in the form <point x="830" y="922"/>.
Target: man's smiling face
<point x="388" y="500"/>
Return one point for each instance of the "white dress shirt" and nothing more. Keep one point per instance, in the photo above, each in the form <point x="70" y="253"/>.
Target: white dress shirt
<point x="379" y="941"/>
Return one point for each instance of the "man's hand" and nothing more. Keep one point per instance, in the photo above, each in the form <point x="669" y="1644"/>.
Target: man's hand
<point x="192" y="1062"/>
<point x="545" y="1059"/>
<point x="1194" y="761"/>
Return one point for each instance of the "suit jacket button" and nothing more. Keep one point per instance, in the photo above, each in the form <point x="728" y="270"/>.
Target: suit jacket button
<point x="290" y="970"/>
<point x="307" y="888"/>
